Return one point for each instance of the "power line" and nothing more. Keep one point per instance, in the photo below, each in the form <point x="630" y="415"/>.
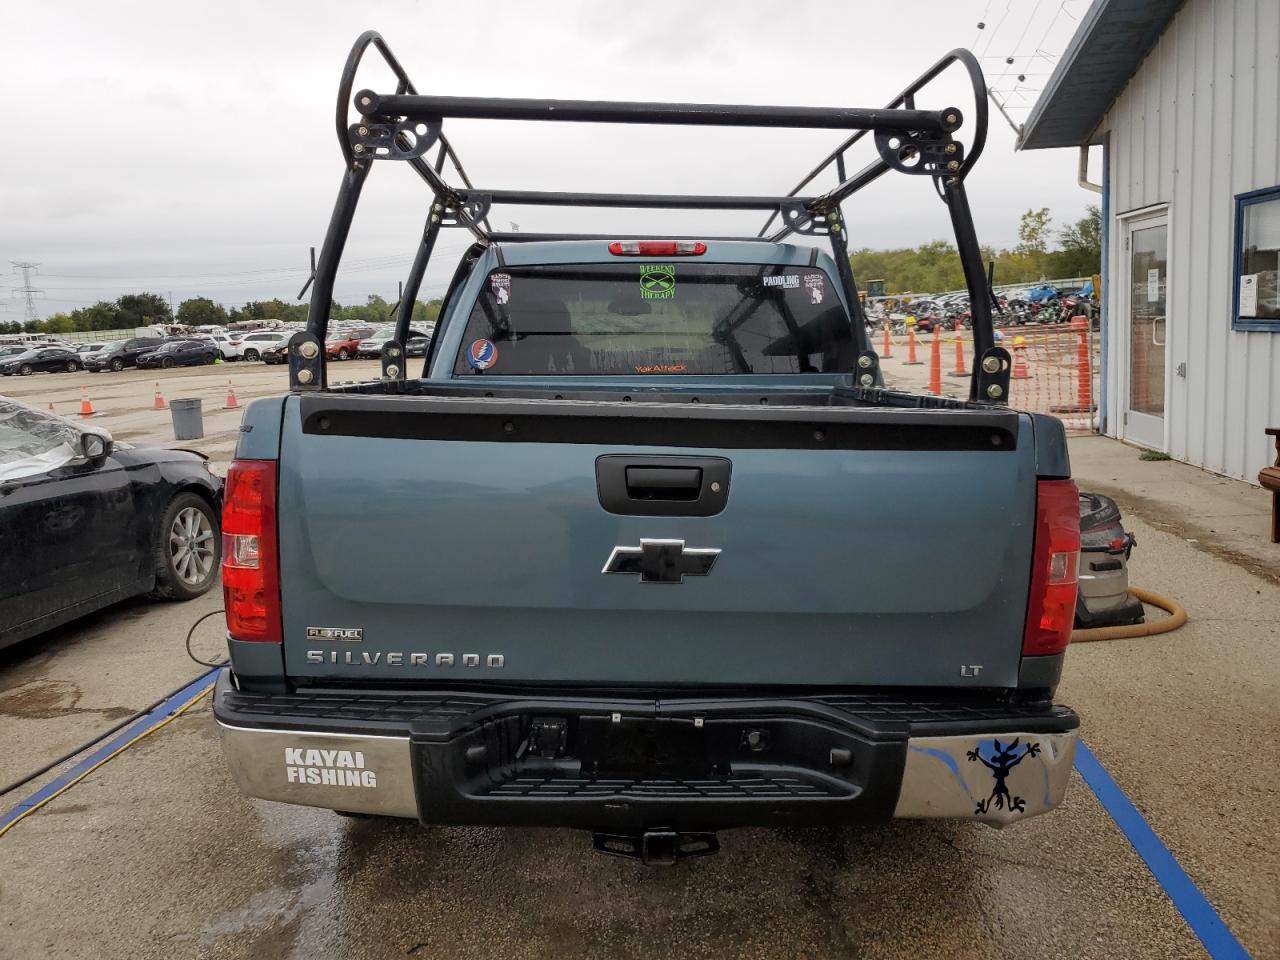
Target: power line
<point x="27" y="289"/>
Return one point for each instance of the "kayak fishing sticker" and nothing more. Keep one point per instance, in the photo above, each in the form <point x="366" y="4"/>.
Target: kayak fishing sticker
<point x="658" y="281"/>
<point x="500" y="284"/>
<point x="482" y="354"/>
<point x="815" y="283"/>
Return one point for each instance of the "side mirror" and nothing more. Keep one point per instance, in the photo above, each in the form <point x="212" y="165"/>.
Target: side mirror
<point x="94" y="446"/>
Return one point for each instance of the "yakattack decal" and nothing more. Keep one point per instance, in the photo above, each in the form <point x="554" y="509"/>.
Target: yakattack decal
<point x="482" y="354"/>
<point x="658" y="281"/>
<point x="330" y="768"/>
<point x="787" y="281"/>
<point x="500" y="284"/>
<point x="661" y="368"/>
<point x="1001" y="761"/>
<point x="815" y="283"/>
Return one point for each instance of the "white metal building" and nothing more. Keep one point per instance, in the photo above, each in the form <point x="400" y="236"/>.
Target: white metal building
<point x="1183" y="96"/>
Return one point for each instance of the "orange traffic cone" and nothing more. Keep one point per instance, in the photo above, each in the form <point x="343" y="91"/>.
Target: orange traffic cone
<point x="158" y="403"/>
<point x="888" y="344"/>
<point x="231" y="398"/>
<point x="912" y="360"/>
<point x="1019" y="361"/>
<point x="959" y="370"/>
<point x="86" y="405"/>
<point x="935" y="364"/>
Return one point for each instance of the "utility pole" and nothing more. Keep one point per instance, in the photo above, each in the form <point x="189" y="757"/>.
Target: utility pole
<point x="27" y="290"/>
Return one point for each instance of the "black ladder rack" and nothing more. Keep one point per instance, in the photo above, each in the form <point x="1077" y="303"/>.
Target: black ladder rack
<point x="407" y="126"/>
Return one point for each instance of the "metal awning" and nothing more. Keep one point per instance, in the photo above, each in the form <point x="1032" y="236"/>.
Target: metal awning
<point x="1113" y="39"/>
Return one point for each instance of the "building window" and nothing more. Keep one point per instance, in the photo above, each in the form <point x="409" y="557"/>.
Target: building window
<point x="1257" y="261"/>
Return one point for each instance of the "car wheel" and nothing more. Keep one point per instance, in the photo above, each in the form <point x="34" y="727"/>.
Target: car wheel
<point x="187" y="549"/>
<point x="25" y="370"/>
<point x="72" y="366"/>
<point x="251" y="354"/>
<point x="117" y="365"/>
<point x="344" y="354"/>
<point x="166" y="362"/>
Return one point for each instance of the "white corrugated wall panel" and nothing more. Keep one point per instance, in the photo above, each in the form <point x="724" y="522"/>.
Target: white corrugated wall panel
<point x="1194" y="127"/>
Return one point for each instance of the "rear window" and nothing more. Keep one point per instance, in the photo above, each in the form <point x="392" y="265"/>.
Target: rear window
<point x="603" y="319"/>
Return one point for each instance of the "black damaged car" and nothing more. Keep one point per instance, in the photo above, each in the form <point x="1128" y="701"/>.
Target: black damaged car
<point x="86" y="522"/>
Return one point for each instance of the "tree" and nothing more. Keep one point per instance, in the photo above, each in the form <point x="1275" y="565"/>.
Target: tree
<point x="142" y="309"/>
<point x="199" y="311"/>
<point x="1033" y="233"/>
<point x="10" y="326"/>
<point x="58" y="323"/>
<point x="100" y="316"/>
<point x="1081" y="242"/>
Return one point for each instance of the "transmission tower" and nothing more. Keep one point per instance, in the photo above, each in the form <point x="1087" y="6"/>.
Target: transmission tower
<point x="27" y="290"/>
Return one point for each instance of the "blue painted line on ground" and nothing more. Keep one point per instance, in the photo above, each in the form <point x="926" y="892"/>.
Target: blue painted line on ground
<point x="160" y="713"/>
<point x="1195" y="908"/>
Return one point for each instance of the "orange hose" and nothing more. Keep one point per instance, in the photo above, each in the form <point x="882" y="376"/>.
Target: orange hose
<point x="1177" y="617"/>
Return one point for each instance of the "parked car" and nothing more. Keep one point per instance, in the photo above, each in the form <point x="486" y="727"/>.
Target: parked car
<point x="276" y="353"/>
<point x="180" y="353"/>
<point x="41" y="360"/>
<point x="252" y="344"/>
<point x="371" y="346"/>
<point x="345" y="344"/>
<point x="85" y="522"/>
<point x="84" y="349"/>
<point x="228" y="347"/>
<point x="123" y="353"/>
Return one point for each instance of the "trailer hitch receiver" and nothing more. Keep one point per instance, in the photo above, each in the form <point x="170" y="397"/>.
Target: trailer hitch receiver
<point x="657" y="848"/>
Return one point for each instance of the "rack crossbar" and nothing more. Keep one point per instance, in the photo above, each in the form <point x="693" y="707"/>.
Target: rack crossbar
<point x="420" y="108"/>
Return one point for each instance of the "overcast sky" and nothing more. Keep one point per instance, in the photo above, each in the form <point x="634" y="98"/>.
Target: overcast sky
<point x="190" y="149"/>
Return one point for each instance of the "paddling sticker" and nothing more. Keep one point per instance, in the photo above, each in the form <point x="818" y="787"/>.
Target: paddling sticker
<point x="482" y="354"/>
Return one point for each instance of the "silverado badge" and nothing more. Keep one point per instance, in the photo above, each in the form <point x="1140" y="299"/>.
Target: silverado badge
<point x="661" y="561"/>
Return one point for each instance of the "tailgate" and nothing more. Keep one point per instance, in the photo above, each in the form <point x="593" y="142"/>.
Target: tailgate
<point x="469" y="542"/>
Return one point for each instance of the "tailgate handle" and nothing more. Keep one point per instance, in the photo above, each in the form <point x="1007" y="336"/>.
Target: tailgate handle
<point x="663" y="483"/>
<point x="663" y="486"/>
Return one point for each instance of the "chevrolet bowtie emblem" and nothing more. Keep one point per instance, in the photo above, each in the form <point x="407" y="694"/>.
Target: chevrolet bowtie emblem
<point x="661" y="561"/>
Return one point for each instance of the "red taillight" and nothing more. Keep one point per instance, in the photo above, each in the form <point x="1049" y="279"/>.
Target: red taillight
<point x="1051" y="610"/>
<point x="250" y="563"/>
<point x="657" y="248"/>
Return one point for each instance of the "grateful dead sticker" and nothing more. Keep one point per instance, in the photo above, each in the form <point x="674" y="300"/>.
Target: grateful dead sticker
<point x="500" y="284"/>
<point x="815" y="284"/>
<point x="482" y="354"/>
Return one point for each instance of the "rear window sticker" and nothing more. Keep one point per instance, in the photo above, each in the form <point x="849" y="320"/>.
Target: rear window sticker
<point x="661" y="368"/>
<point x="500" y="284"/>
<point x="482" y="354"/>
<point x="658" y="281"/>
<point x="815" y="283"/>
<point x="787" y="281"/>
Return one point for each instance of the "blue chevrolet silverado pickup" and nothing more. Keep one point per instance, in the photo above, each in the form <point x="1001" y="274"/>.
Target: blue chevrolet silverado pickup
<point x="636" y="551"/>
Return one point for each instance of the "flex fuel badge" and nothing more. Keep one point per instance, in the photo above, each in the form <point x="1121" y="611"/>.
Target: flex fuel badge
<point x="658" y="281"/>
<point x="482" y="354"/>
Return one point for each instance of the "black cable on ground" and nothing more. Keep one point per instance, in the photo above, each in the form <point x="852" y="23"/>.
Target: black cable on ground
<point x="98" y="738"/>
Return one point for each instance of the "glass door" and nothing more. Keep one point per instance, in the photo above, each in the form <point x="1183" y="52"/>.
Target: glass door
<point x="1147" y="246"/>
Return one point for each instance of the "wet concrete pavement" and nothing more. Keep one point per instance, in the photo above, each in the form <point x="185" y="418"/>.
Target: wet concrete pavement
<point x="158" y="855"/>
